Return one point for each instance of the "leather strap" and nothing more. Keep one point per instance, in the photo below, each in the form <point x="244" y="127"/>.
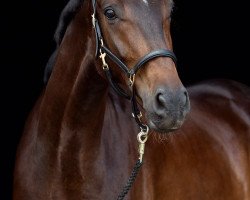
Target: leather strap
<point x="115" y="86"/>
<point x="113" y="57"/>
<point x="152" y="55"/>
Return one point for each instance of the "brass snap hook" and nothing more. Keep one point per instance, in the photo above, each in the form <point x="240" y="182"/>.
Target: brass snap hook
<point x="93" y="20"/>
<point x="104" y="64"/>
<point x="142" y="138"/>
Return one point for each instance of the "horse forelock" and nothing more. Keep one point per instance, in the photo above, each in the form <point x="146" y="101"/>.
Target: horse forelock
<point x="65" y="18"/>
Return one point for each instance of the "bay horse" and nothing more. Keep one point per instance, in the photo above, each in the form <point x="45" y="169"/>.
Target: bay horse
<point x="80" y="140"/>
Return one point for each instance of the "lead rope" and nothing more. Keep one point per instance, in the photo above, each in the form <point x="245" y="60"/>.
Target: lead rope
<point x="131" y="180"/>
<point x="142" y="139"/>
<point x="142" y="136"/>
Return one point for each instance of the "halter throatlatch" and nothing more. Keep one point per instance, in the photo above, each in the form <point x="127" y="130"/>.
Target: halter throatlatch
<point x="102" y="51"/>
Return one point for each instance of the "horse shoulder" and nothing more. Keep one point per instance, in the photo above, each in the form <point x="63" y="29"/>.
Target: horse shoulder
<point x="28" y="160"/>
<point x="222" y="109"/>
<point x="219" y="126"/>
<point x="225" y="100"/>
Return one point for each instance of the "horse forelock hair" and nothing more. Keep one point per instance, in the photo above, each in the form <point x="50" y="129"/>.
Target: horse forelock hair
<point x="65" y="18"/>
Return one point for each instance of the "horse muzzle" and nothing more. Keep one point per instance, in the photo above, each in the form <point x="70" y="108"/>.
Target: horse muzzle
<point x="166" y="109"/>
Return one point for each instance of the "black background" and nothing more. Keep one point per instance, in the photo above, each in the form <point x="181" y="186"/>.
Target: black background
<point x="210" y="40"/>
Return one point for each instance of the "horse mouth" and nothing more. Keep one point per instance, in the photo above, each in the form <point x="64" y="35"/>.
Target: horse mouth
<point x="165" y="125"/>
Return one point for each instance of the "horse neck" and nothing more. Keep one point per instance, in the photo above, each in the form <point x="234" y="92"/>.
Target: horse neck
<point x="80" y="122"/>
<point x="76" y="104"/>
<point x="75" y="96"/>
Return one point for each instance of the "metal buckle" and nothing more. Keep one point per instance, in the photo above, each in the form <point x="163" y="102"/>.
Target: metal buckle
<point x="131" y="80"/>
<point x="105" y="66"/>
<point x="138" y="116"/>
<point x="93" y="20"/>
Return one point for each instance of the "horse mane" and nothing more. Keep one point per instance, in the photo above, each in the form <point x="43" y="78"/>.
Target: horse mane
<point x="65" y="18"/>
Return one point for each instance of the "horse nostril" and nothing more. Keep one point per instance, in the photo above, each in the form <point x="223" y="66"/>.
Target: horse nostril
<point x="161" y="100"/>
<point x="169" y="100"/>
<point x="185" y="98"/>
<point x="168" y="108"/>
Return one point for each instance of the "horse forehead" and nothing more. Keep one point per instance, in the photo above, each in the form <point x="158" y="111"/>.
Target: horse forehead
<point x="139" y="5"/>
<point x="143" y="6"/>
<point x="148" y="2"/>
<point x="142" y="2"/>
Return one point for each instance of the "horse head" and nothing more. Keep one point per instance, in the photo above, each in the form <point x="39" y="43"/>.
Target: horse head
<point x="133" y="30"/>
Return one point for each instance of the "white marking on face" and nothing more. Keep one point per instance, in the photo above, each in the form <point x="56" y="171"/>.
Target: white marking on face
<point x="146" y="2"/>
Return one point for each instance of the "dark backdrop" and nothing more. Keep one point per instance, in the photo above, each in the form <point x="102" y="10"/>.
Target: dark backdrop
<point x="210" y="40"/>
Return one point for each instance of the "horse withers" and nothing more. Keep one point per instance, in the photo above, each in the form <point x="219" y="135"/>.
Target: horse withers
<point x="80" y="142"/>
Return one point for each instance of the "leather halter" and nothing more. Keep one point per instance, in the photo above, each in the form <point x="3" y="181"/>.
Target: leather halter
<point x="102" y="50"/>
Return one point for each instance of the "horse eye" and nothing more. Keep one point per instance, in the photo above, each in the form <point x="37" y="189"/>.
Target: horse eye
<point x="110" y="14"/>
